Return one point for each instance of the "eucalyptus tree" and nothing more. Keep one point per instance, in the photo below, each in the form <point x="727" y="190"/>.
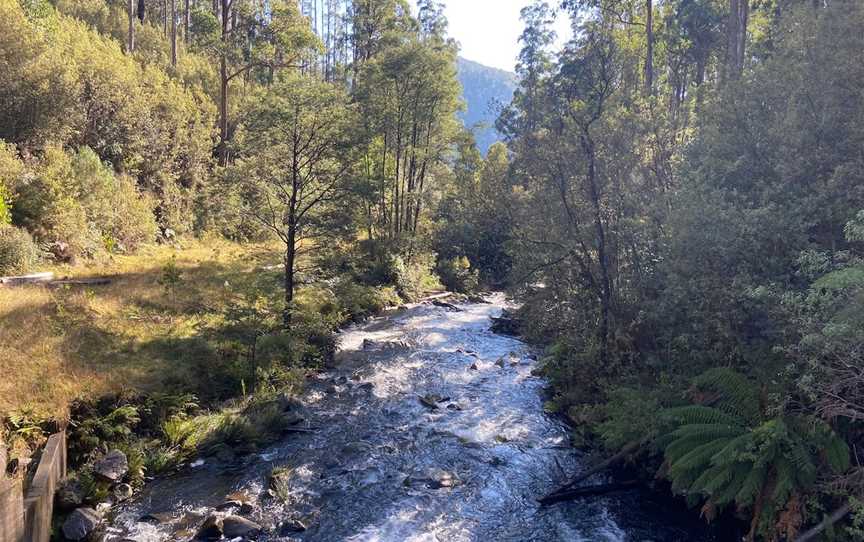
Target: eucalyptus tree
<point x="251" y="40"/>
<point x="295" y="145"/>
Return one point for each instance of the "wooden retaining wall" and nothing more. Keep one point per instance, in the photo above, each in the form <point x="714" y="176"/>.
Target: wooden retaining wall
<point x="27" y="518"/>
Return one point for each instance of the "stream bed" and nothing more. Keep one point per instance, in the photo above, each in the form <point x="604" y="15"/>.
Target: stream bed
<point x="429" y="428"/>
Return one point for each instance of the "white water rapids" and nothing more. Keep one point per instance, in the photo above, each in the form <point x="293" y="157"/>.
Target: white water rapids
<point x="382" y="466"/>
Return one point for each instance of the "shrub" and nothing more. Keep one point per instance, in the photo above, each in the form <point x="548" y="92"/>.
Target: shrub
<point x="414" y="277"/>
<point x="457" y="275"/>
<point x="123" y="217"/>
<point x="359" y="302"/>
<point x="18" y="252"/>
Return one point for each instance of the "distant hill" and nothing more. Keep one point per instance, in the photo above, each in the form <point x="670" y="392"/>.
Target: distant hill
<point x="485" y="90"/>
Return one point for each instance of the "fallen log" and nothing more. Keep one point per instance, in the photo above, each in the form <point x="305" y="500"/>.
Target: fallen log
<point x="587" y="491"/>
<point x="27" y="279"/>
<point x="603" y="465"/>
<point x="80" y="282"/>
<point x="836" y="516"/>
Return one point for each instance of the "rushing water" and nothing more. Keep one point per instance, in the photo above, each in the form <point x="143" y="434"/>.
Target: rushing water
<point x="380" y="465"/>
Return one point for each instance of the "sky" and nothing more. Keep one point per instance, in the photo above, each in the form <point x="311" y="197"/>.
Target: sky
<point x="488" y="30"/>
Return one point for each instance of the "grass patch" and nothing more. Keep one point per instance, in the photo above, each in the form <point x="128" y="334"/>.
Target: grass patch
<point x="135" y="333"/>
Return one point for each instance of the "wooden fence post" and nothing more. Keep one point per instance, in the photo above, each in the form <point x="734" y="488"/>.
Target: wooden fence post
<point x="11" y="510"/>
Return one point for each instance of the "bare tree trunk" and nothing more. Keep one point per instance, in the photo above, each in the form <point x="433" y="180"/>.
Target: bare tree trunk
<point x="187" y="21"/>
<point x="174" y="33"/>
<point x="602" y="257"/>
<point x="649" y="53"/>
<point x="130" y="43"/>
<point x="736" y="35"/>
<point x="223" y="86"/>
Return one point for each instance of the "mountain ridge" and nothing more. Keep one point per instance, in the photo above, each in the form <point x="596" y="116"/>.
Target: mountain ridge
<point x="485" y="90"/>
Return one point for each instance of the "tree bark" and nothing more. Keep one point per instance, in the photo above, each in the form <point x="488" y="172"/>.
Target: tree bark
<point x="223" y="85"/>
<point x="649" y="53"/>
<point x="130" y="39"/>
<point x="174" y="33"/>
<point x="736" y="36"/>
<point x="602" y="257"/>
<point x="187" y="21"/>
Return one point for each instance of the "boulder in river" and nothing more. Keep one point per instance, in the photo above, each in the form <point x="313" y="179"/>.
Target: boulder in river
<point x="444" y="305"/>
<point x="506" y="324"/>
<point x="234" y="526"/>
<point x="80" y="524"/>
<point x="369" y="344"/>
<point x="113" y="467"/>
<point x="439" y="478"/>
<point x="211" y="529"/>
<point x="431" y="400"/>
<point x="291" y="526"/>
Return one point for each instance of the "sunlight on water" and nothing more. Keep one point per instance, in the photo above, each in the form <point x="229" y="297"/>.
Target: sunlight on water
<point x="382" y="465"/>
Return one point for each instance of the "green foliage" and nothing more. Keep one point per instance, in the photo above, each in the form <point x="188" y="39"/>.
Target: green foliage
<point x="100" y="432"/>
<point x="414" y="276"/>
<point x="18" y="252"/>
<point x="457" y="275"/>
<point x="359" y="301"/>
<point x="732" y="453"/>
<point x="77" y="200"/>
<point x="171" y="277"/>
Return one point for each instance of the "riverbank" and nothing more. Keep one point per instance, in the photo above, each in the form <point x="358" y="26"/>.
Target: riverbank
<point x="180" y="354"/>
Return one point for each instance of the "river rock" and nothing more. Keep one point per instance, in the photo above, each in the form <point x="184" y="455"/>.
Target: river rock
<point x="291" y="526"/>
<point x="113" y="467"/>
<point x="506" y="324"/>
<point x="431" y="400"/>
<point x="80" y="524"/>
<point x="211" y="529"/>
<point x="70" y="495"/>
<point x="444" y="305"/>
<point x="369" y="344"/>
<point x="500" y="362"/>
<point x="474" y="367"/>
<point x="122" y="492"/>
<point x="441" y="479"/>
<point x="289" y="402"/>
<point x="156" y="518"/>
<point x="234" y="526"/>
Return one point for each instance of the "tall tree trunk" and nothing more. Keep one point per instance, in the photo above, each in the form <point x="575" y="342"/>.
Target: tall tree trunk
<point x="602" y="257"/>
<point x="736" y="36"/>
<point x="649" y="52"/>
<point x="174" y="33"/>
<point x="187" y="21"/>
<point x="223" y="86"/>
<point x="130" y="39"/>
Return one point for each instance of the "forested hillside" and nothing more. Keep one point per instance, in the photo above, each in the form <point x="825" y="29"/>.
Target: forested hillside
<point x="677" y="203"/>
<point x="684" y="221"/>
<point x="485" y="91"/>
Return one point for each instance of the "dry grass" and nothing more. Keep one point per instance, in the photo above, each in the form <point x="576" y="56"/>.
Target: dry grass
<point x="56" y="345"/>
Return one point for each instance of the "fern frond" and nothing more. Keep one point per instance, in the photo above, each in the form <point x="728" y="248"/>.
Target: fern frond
<point x="751" y="486"/>
<point x="696" y="414"/>
<point x="697" y="458"/>
<point x="708" y="431"/>
<point x="738" y="396"/>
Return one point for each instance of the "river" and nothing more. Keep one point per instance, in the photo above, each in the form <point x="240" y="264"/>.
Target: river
<point x="380" y="465"/>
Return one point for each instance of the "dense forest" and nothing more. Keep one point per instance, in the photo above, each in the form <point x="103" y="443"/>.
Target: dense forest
<point x="677" y="202"/>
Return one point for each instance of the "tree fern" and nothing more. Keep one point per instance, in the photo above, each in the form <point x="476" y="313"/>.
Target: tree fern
<point x="727" y="452"/>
